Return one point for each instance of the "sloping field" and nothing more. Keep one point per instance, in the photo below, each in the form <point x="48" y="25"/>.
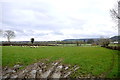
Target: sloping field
<point x="92" y="60"/>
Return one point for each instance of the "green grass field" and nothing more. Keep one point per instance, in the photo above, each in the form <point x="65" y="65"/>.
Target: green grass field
<point x="94" y="60"/>
<point x="114" y="44"/>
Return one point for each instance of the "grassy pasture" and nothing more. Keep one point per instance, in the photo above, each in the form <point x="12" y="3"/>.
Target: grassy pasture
<point x="114" y="44"/>
<point x="74" y="45"/>
<point x="94" y="60"/>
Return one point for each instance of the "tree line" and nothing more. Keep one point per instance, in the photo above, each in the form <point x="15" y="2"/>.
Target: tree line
<point x="9" y="34"/>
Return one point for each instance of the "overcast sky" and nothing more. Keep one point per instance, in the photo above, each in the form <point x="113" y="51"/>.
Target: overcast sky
<point x="58" y="19"/>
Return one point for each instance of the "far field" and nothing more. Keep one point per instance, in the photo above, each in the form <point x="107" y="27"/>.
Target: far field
<point x="93" y="60"/>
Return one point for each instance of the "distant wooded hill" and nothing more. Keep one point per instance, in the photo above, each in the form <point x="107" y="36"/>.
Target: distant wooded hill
<point x="114" y="38"/>
<point x="81" y="39"/>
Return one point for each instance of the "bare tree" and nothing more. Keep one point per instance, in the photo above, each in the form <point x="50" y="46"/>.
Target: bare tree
<point x="9" y="34"/>
<point x="77" y="43"/>
<point x="115" y="12"/>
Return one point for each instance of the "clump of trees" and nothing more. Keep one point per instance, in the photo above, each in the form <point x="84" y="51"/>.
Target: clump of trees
<point x="32" y="40"/>
<point x="79" y="43"/>
<point x="90" y="41"/>
<point x="104" y="42"/>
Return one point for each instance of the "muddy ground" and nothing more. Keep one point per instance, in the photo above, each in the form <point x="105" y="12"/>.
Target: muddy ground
<point x="41" y="70"/>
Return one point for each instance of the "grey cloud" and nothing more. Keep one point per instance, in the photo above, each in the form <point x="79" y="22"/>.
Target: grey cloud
<point x="77" y="23"/>
<point x="30" y="33"/>
<point x="14" y="15"/>
<point x="42" y="34"/>
<point x="57" y="33"/>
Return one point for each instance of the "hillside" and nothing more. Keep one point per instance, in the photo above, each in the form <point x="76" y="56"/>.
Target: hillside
<point x="114" y="38"/>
